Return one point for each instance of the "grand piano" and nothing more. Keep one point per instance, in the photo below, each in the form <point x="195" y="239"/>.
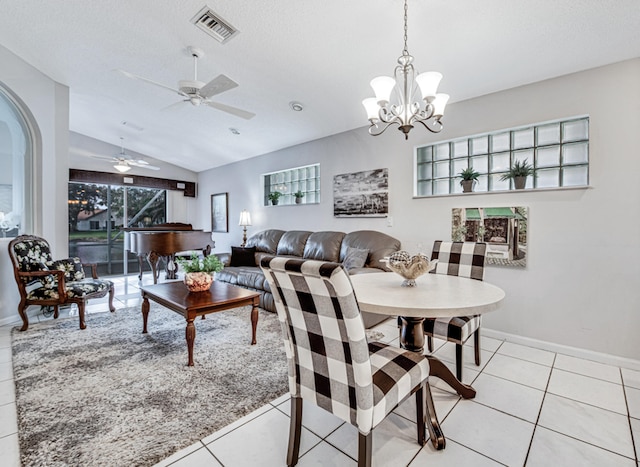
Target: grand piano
<point x="164" y="241"/>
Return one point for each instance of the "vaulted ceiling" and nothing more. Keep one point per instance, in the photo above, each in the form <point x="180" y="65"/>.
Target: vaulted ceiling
<point x="321" y="53"/>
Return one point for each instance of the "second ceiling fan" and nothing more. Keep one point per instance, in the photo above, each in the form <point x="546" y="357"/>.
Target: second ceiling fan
<point x="200" y="93"/>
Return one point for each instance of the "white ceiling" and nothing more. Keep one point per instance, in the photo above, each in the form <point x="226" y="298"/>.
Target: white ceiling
<point x="322" y="53"/>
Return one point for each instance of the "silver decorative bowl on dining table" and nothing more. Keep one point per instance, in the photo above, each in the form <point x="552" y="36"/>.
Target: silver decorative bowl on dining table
<point x="409" y="267"/>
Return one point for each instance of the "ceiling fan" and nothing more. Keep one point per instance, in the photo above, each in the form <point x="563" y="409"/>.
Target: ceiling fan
<point x="197" y="92"/>
<point x="123" y="162"/>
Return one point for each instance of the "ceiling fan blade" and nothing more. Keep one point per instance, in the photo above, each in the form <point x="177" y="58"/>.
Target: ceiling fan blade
<point x="230" y="110"/>
<point x="146" y="165"/>
<point x="147" y="80"/>
<point x="103" y="158"/>
<point x="174" y="105"/>
<point x="217" y="85"/>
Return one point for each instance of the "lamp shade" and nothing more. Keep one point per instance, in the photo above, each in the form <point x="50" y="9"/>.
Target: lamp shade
<point x="245" y="218"/>
<point x="439" y="103"/>
<point x="122" y="168"/>
<point x="428" y="83"/>
<point x="382" y="86"/>
<point x="372" y="108"/>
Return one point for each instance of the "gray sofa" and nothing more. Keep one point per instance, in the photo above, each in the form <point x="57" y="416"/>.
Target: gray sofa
<point x="326" y="246"/>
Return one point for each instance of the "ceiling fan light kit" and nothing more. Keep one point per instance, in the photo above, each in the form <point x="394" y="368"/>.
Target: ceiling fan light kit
<point x="404" y="108"/>
<point x="122" y="167"/>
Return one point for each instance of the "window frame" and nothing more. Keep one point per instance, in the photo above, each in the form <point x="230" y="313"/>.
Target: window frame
<point x="437" y="165"/>
<point x="305" y="178"/>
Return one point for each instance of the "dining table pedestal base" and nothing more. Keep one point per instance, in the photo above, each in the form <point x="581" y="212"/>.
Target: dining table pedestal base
<point x="412" y="338"/>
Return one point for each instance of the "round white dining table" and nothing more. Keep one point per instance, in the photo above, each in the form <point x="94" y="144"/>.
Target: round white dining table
<point x="434" y="296"/>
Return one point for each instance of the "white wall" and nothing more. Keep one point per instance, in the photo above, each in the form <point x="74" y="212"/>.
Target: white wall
<point x="580" y="287"/>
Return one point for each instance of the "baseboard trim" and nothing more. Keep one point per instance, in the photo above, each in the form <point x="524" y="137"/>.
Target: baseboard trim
<point x="564" y="349"/>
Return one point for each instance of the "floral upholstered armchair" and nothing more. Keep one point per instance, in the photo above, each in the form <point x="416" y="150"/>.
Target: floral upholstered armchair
<point x="45" y="282"/>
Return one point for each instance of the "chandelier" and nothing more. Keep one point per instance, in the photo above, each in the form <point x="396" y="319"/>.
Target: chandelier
<point x="404" y="108"/>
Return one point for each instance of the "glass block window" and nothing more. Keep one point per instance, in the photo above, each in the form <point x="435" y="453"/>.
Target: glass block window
<point x="305" y="180"/>
<point x="558" y="152"/>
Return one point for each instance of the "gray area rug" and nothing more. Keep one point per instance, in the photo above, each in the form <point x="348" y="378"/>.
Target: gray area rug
<point x="112" y="396"/>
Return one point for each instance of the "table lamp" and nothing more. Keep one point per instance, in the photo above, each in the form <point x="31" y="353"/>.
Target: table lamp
<point x="245" y="220"/>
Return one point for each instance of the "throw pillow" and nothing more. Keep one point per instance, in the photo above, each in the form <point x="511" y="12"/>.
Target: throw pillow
<point x="355" y="258"/>
<point x="243" y="256"/>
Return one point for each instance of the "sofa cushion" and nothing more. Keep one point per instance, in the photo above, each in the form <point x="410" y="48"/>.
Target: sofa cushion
<point x="355" y="258"/>
<point x="266" y="241"/>
<point x="378" y="244"/>
<point x="243" y="256"/>
<point x="324" y="246"/>
<point x="292" y="243"/>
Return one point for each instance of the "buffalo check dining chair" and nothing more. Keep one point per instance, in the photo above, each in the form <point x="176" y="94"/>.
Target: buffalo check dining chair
<point x="463" y="259"/>
<point x="330" y="362"/>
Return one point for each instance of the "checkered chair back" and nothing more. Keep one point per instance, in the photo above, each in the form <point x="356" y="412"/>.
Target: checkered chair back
<point x="324" y="337"/>
<point x="464" y="259"/>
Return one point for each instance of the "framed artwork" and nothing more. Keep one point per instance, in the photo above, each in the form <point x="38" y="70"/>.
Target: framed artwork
<point x="220" y="212"/>
<point x="361" y="194"/>
<point x="503" y="229"/>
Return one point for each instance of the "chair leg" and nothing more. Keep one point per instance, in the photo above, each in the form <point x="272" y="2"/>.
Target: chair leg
<point x="55" y="312"/>
<point x="111" y="294"/>
<point x="459" y="361"/>
<point x="430" y="343"/>
<point x="420" y="418"/>
<point x="81" y="314"/>
<point x="22" y="311"/>
<point x="476" y="345"/>
<point x="364" y="449"/>
<point x="435" y="432"/>
<point x="295" y="428"/>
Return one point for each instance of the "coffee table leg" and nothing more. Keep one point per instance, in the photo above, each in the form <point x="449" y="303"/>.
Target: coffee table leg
<point x="145" y="313"/>
<point x="254" y="323"/>
<point x="412" y="334"/>
<point x="191" y="337"/>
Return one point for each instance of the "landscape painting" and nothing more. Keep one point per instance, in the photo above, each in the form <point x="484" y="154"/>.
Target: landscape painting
<point x="503" y="229"/>
<point x="361" y="194"/>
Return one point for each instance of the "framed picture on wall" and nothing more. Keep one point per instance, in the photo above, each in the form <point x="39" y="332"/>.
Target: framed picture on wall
<point x="219" y="212"/>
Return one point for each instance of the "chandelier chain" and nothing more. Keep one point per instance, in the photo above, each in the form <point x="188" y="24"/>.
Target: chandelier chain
<point x="406" y="50"/>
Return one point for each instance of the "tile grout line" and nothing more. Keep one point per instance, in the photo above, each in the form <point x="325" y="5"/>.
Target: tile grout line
<point x="626" y="402"/>
<point x="544" y="396"/>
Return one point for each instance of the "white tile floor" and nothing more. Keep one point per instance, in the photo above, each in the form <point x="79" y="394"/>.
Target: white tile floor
<point x="533" y="408"/>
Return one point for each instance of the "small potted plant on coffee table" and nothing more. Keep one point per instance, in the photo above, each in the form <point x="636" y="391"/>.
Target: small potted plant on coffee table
<point x="274" y="196"/>
<point x="519" y="172"/>
<point x="469" y="177"/>
<point x="198" y="273"/>
<point x="299" y="195"/>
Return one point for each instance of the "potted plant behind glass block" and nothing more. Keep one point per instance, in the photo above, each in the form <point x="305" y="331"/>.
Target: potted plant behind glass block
<point x="299" y="195"/>
<point x="274" y="196"/>
<point x="469" y="177"/>
<point x="519" y="172"/>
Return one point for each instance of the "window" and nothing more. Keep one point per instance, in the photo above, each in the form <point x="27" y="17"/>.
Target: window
<point x="98" y="212"/>
<point x="305" y="180"/>
<point x="16" y="155"/>
<point x="558" y="152"/>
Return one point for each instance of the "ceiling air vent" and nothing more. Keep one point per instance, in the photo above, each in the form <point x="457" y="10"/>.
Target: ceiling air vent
<point x="214" y="25"/>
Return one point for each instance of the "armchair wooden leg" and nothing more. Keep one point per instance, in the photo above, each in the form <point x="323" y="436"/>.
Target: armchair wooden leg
<point x="420" y="418"/>
<point x="459" y="361"/>
<point x="364" y="449"/>
<point x="81" y="314"/>
<point x="435" y="432"/>
<point x="295" y="429"/>
<point x="476" y="345"/>
<point x="111" y="294"/>
<point x="22" y="311"/>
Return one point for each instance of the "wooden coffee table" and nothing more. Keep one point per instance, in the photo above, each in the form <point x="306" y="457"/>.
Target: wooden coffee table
<point x="176" y="297"/>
